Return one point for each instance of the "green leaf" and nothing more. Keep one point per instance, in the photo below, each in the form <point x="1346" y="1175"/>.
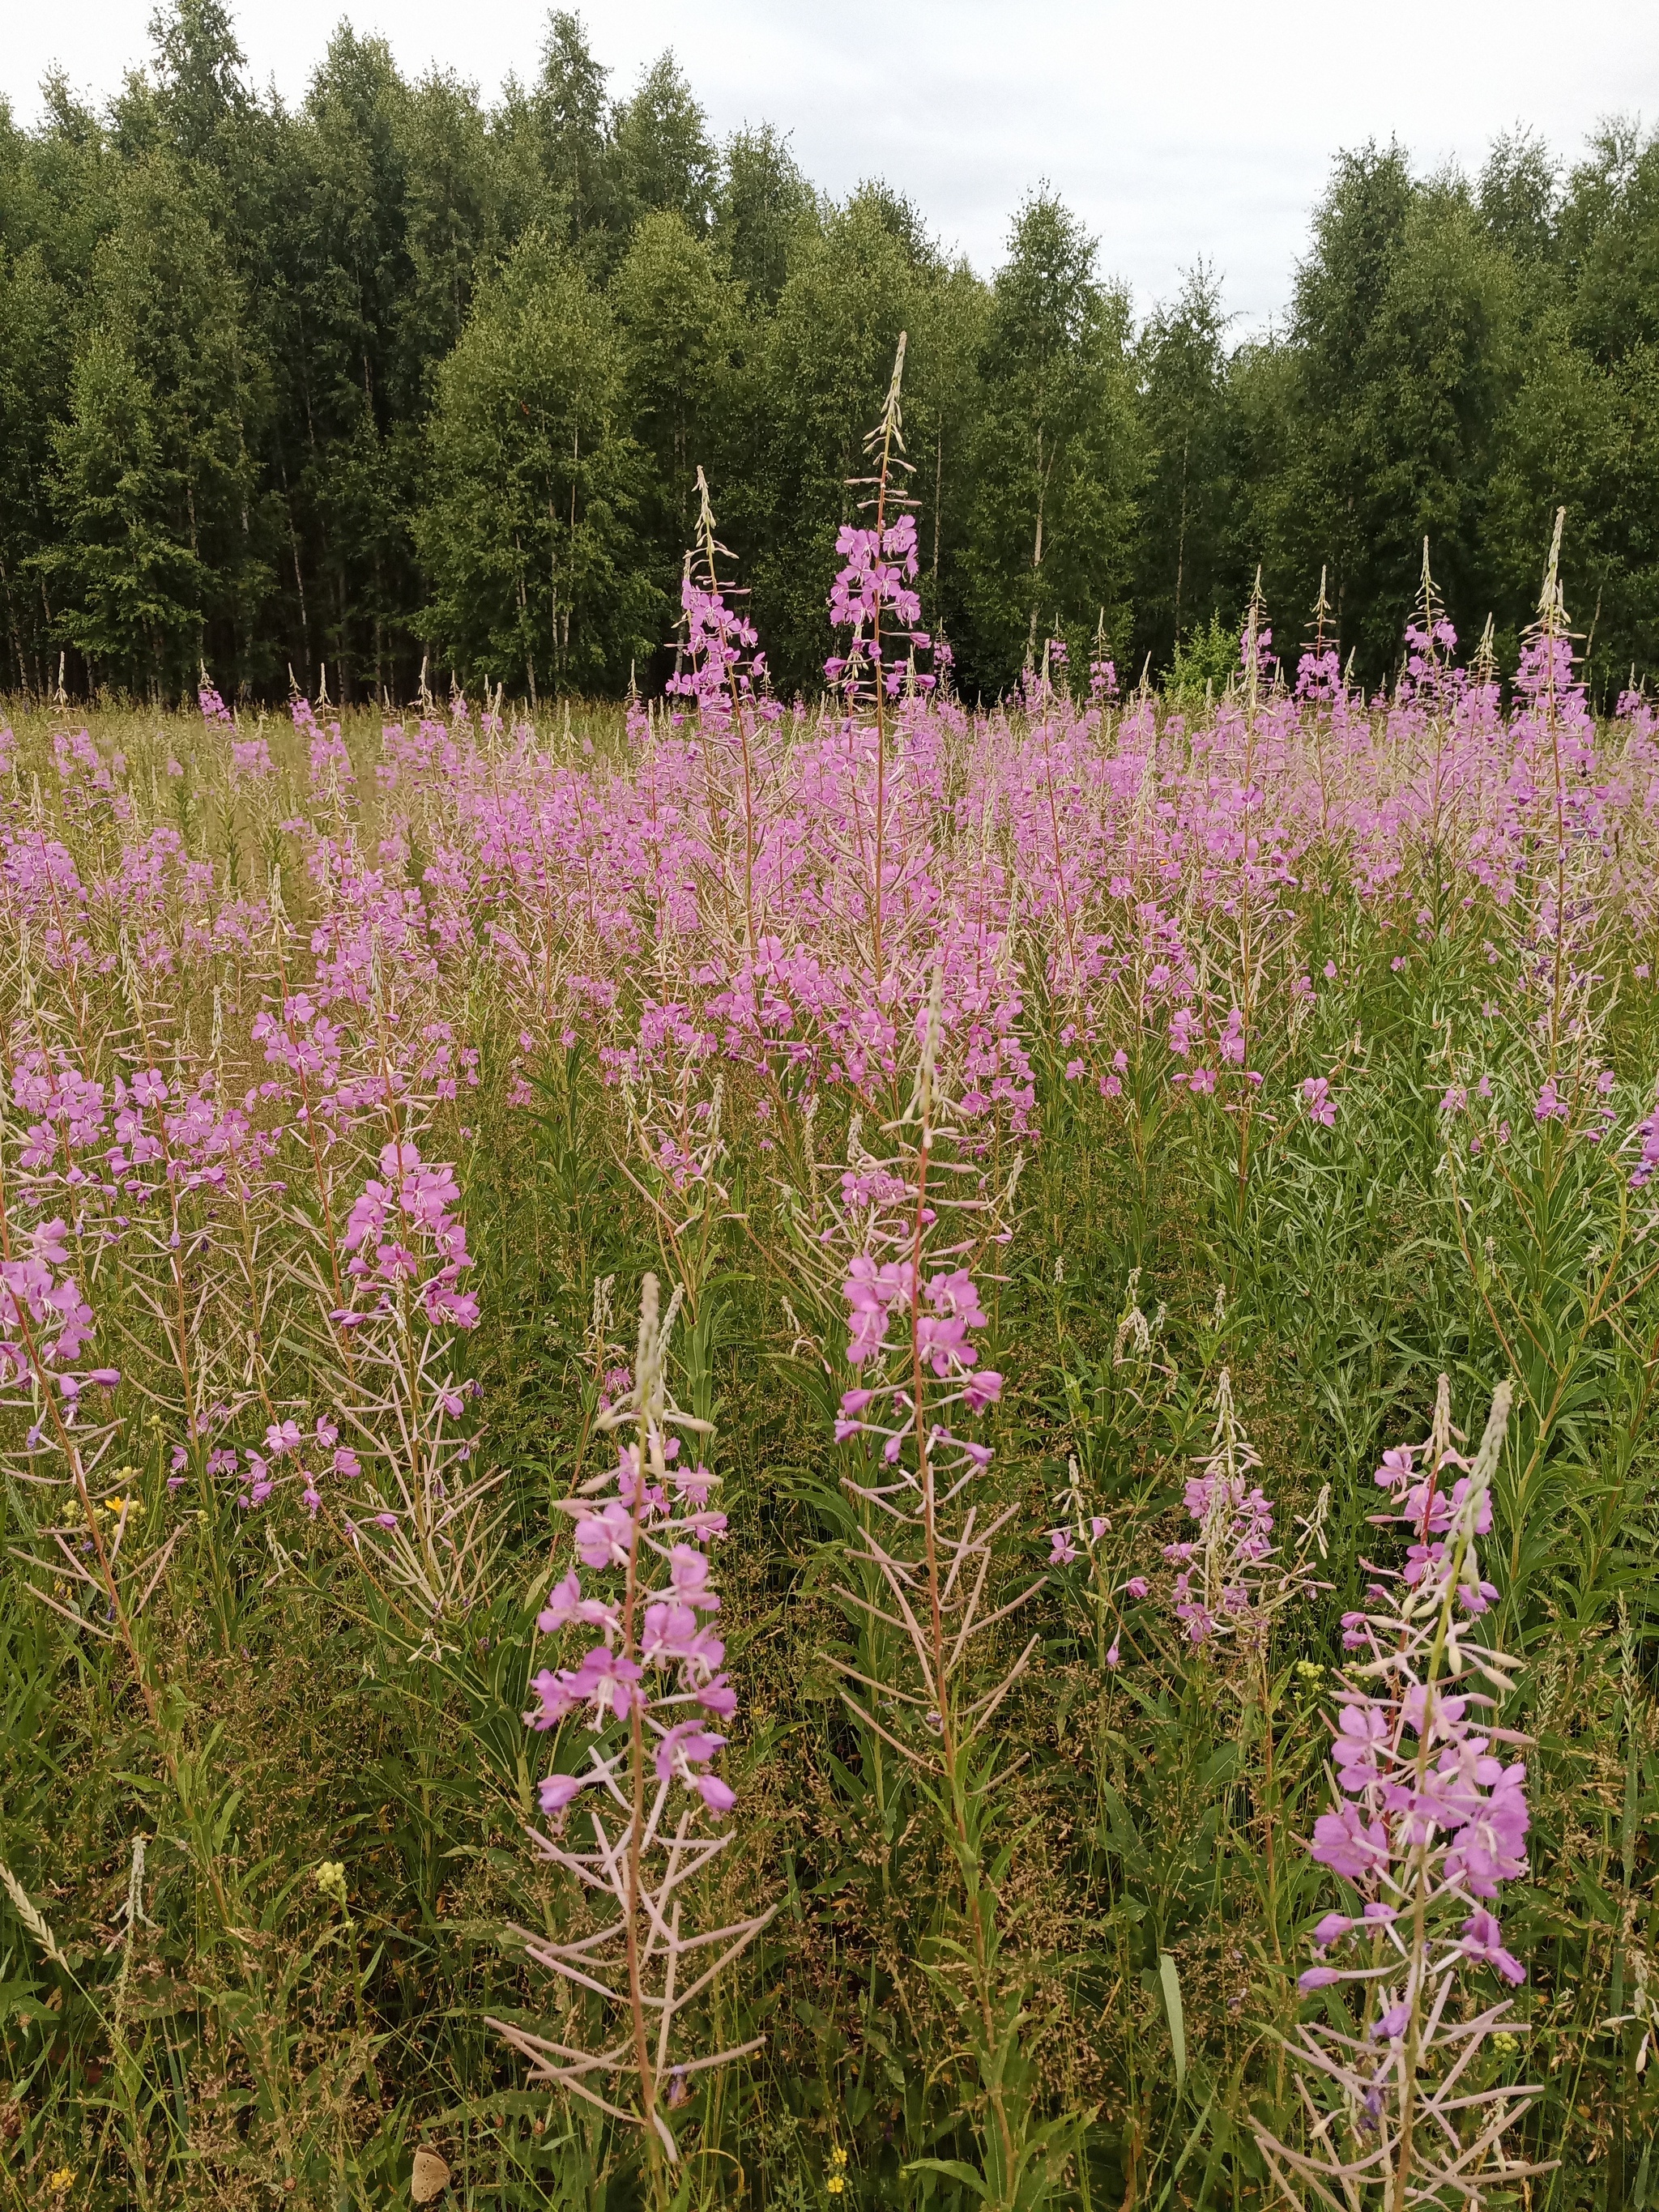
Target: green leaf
<point x="1171" y="1981"/>
<point x="954" y="2169"/>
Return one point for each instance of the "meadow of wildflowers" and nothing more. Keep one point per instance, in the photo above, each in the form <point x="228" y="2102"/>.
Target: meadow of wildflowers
<point x="714" y="1486"/>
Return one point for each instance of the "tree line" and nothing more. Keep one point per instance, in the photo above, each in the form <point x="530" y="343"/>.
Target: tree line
<point x="400" y="379"/>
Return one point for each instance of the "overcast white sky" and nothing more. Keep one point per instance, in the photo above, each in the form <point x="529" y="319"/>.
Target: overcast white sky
<point x="1175" y="128"/>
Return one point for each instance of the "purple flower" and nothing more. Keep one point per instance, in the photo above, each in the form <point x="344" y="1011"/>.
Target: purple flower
<point x="557" y="1791"/>
<point x="1321" y="1107"/>
<point x="1349" y="1844"/>
<point x="686" y="1749"/>
<point x="605" y="1681"/>
<point x="1317" y="1977"/>
<point x="981" y="1389"/>
<point x="1360" y="1730"/>
<point x="1483" y="1939"/>
<point x="604" y="1538"/>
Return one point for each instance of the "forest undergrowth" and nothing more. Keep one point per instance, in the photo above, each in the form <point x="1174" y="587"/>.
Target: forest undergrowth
<point x="1026" y="1339"/>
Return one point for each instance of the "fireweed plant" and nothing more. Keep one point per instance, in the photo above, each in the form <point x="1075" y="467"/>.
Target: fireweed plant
<point x="905" y="1232"/>
<point x="652" y="1693"/>
<point x="1073" y="1100"/>
<point x="1428" y="1820"/>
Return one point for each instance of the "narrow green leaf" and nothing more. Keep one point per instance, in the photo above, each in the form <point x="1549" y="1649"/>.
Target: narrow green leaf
<point x="954" y="2169"/>
<point x="1171" y="1981"/>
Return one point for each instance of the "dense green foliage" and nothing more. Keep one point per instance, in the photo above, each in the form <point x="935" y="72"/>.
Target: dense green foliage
<point x="398" y="375"/>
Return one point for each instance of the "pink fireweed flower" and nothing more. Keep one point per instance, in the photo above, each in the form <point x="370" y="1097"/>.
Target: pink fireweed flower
<point x="1317" y="1099"/>
<point x="1428" y="1819"/>
<point x="683" y="1750"/>
<point x="565" y="1606"/>
<point x="555" y="1791"/>
<point x="689" y="1576"/>
<point x="981" y="1390"/>
<point x="604" y="1536"/>
<point x="1483" y="1939"/>
<point x="877" y="581"/>
<point x="1398" y="1465"/>
<point x="1648" y="1164"/>
<point x="1360" y="1730"/>
<point x="673" y="1636"/>
<point x="606" y="1682"/>
<point x="1349" y="1844"/>
<point x="693" y="1485"/>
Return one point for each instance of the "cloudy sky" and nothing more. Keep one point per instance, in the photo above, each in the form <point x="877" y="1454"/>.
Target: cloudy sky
<point x="1177" y="128"/>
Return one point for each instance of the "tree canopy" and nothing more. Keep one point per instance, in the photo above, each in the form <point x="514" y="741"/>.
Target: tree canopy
<point x="400" y="374"/>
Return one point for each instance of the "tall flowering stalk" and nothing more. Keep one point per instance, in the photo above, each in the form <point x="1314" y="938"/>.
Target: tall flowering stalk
<point x="1232" y="1582"/>
<point x="80" y="1530"/>
<point x="719" y="673"/>
<point x="649" y="1690"/>
<point x="420" y="1520"/>
<point x="879" y="579"/>
<point x="915" y="1217"/>
<point x="1426" y="1821"/>
<point x="1232" y="1579"/>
